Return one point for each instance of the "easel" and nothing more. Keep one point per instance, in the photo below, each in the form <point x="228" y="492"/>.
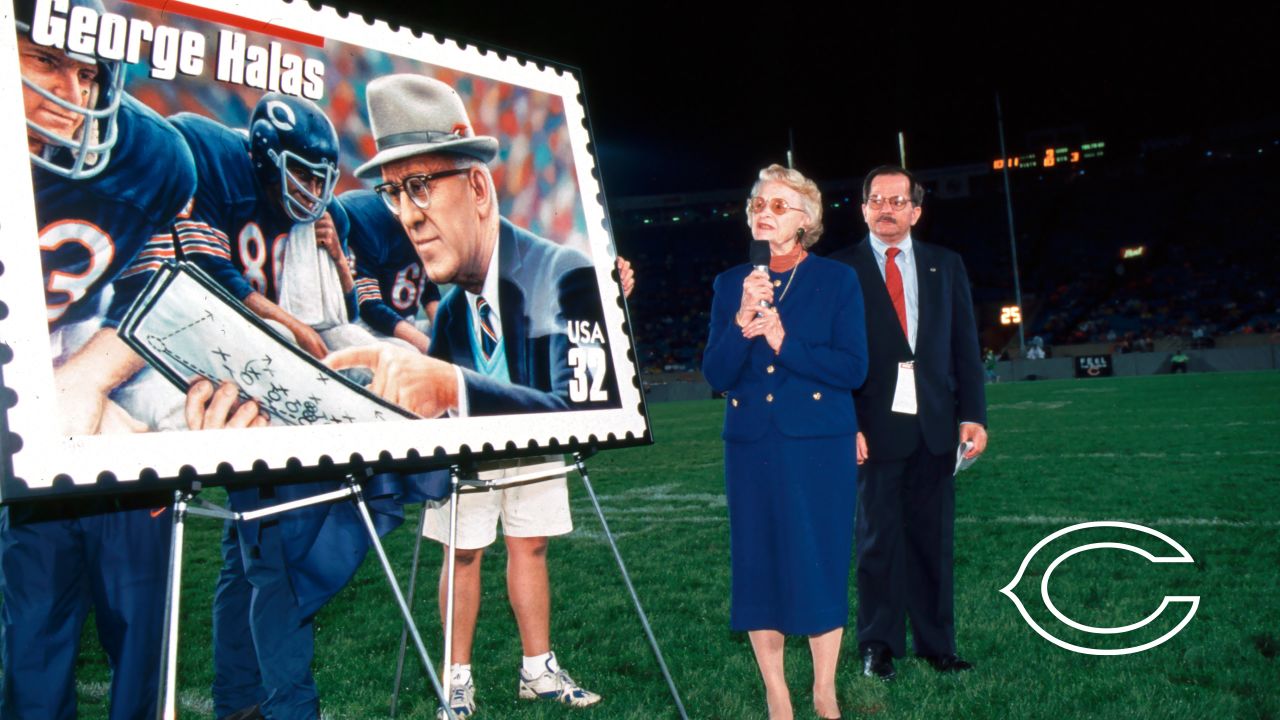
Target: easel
<point x="183" y="505"/>
<point x="467" y="481"/>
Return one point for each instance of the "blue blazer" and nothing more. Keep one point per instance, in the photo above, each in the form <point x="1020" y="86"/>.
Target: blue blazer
<point x="805" y="389"/>
<point x="543" y="289"/>
<point x="948" y="365"/>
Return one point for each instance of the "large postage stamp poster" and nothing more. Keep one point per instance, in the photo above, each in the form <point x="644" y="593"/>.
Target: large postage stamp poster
<point x="256" y="234"/>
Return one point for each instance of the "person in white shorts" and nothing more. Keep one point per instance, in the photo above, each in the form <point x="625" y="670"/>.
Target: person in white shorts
<point x="515" y="295"/>
<point x="530" y="514"/>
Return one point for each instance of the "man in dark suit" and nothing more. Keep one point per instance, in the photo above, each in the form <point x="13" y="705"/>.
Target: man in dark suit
<point x="521" y="331"/>
<point x="923" y="395"/>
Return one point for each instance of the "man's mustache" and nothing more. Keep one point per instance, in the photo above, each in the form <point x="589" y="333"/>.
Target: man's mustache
<point x="887" y="218"/>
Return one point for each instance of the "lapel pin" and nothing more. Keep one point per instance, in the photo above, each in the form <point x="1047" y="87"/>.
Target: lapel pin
<point x="933" y="269"/>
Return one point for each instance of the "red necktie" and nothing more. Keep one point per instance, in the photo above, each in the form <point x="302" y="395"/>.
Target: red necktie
<point x="893" y="281"/>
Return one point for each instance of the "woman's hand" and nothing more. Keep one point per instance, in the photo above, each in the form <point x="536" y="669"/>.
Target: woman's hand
<point x="768" y="326"/>
<point x="756" y="289"/>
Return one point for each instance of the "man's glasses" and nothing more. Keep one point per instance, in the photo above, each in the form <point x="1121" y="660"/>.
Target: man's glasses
<point x="777" y="206"/>
<point x="417" y="186"/>
<point x="897" y="202"/>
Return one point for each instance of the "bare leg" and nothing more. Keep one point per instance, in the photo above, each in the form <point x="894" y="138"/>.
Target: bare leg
<point x="826" y="652"/>
<point x="530" y="592"/>
<point x="768" y="646"/>
<point x="466" y="600"/>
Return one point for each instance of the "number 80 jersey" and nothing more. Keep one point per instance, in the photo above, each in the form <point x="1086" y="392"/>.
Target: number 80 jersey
<point x="237" y="228"/>
<point x="92" y="232"/>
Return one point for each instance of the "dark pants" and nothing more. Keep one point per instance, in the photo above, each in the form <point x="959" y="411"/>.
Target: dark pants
<point x="904" y="531"/>
<point x="262" y="645"/>
<point x="56" y="565"/>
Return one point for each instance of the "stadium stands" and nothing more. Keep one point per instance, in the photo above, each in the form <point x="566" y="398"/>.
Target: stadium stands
<point x="1203" y="216"/>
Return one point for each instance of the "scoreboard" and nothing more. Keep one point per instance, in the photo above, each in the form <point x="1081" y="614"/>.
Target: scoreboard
<point x="1051" y="157"/>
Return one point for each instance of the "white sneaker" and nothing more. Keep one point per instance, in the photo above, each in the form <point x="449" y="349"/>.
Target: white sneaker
<point x="462" y="700"/>
<point x="556" y="686"/>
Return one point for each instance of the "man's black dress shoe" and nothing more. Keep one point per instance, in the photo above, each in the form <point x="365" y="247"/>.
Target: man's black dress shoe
<point x="948" y="663"/>
<point x="877" y="662"/>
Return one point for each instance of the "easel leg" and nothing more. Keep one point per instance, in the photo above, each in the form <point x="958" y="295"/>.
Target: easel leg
<point x="358" y="497"/>
<point x="449" y="578"/>
<point x="626" y="579"/>
<point x="404" y="632"/>
<point x="167" y="706"/>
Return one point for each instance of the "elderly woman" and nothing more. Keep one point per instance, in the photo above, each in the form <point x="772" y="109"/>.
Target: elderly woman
<point x="788" y="346"/>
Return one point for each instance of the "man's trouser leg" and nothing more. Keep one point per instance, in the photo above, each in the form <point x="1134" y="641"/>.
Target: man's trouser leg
<point x="284" y="639"/>
<point x="46" y="600"/>
<point x="237" y="683"/>
<point x="880" y="549"/>
<point x="127" y="567"/>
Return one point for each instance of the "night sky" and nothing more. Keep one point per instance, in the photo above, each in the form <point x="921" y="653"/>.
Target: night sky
<point x="690" y="97"/>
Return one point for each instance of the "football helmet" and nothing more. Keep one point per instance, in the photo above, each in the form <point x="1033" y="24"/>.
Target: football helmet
<point x="88" y="152"/>
<point x="295" y="148"/>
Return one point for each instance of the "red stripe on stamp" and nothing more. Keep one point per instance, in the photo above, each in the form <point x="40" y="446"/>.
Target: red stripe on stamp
<point x="244" y="23"/>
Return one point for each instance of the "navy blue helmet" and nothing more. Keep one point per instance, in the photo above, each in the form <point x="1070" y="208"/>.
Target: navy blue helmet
<point x="87" y="152"/>
<point x="295" y="148"/>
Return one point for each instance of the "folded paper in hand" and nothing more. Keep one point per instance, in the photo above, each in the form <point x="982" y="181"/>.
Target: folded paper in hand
<point x="963" y="463"/>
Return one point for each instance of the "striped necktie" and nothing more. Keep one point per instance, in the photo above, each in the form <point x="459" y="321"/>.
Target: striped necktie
<point x="488" y="333"/>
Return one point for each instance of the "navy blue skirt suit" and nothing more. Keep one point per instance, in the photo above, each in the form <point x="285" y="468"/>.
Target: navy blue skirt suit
<point x="789" y="459"/>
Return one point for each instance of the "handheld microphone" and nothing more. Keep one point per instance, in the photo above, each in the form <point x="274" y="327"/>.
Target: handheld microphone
<point x="760" y="260"/>
<point x="760" y="255"/>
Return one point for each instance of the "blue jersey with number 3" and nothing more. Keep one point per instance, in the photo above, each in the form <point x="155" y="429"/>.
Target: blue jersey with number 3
<point x="92" y="232"/>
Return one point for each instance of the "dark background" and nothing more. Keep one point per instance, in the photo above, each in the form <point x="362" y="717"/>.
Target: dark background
<point x="688" y="97"/>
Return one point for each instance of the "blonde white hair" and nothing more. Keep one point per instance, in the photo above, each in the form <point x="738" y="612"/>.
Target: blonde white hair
<point x="810" y="198"/>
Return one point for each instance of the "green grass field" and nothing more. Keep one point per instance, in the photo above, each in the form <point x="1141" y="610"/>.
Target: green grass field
<point x="1192" y="456"/>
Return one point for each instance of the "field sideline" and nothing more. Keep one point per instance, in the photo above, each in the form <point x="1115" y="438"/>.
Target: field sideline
<point x="1192" y="456"/>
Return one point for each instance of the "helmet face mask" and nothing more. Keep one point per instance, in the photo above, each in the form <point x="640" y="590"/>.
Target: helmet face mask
<point x="294" y="149"/>
<point x="87" y="153"/>
<point x="300" y="202"/>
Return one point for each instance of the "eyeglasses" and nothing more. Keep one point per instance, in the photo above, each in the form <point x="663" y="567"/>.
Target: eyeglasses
<point x="417" y="186"/>
<point x="777" y="206"/>
<point x="897" y="202"/>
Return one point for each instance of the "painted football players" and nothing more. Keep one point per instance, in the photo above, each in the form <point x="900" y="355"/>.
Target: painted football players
<point x="98" y="200"/>
<point x="391" y="284"/>
<point x="255" y="189"/>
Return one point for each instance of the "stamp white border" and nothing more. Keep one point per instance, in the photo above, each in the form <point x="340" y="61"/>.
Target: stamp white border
<point x="36" y="453"/>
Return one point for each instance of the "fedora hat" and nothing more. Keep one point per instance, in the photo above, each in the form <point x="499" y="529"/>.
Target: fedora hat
<point x="416" y="115"/>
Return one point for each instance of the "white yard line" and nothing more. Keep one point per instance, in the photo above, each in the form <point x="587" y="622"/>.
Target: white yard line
<point x="649" y="517"/>
<point x="1135" y="455"/>
<point x="1153" y="426"/>
<point x="1157" y="522"/>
